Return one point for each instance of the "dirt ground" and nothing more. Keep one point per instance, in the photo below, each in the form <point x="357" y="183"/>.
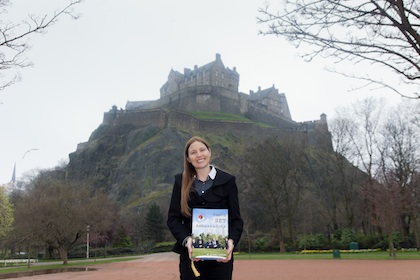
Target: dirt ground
<point x="164" y="266"/>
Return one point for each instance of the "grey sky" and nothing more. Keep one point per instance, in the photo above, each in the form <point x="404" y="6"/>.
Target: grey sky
<point x="124" y="50"/>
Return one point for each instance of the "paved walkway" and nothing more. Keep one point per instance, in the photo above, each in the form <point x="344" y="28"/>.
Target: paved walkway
<point x="164" y="266"/>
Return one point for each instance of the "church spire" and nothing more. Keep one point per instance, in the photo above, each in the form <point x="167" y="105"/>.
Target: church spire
<point x="13" y="175"/>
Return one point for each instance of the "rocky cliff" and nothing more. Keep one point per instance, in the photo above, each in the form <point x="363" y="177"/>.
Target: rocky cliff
<point x="137" y="165"/>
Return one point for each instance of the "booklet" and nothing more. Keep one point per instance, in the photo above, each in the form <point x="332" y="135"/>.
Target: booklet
<point x="210" y="230"/>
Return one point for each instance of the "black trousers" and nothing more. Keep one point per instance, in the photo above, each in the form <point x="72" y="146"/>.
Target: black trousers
<point x="209" y="270"/>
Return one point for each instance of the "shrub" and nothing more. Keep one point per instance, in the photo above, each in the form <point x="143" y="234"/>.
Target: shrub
<point x="261" y="244"/>
<point x="163" y="247"/>
<point x="314" y="242"/>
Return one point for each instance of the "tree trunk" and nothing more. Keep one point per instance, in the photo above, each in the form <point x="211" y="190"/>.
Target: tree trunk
<point x="281" y="238"/>
<point x="417" y="233"/>
<point x="63" y="254"/>
<point x="391" y="245"/>
<point x="282" y="247"/>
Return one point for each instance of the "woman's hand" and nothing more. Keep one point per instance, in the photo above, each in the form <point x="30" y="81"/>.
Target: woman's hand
<point x="188" y="244"/>
<point x="229" y="251"/>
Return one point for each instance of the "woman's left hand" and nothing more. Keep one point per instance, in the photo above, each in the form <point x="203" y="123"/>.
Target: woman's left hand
<point x="229" y="251"/>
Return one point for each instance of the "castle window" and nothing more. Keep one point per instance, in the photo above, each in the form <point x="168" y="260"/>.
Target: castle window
<point x="217" y="73"/>
<point x="223" y="75"/>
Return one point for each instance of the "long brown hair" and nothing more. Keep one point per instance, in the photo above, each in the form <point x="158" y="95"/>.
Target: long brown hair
<point x="188" y="176"/>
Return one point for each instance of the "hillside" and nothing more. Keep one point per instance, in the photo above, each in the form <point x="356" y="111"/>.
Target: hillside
<point x="136" y="165"/>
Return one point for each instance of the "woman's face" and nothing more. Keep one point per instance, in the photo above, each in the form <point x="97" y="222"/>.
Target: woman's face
<point x="199" y="155"/>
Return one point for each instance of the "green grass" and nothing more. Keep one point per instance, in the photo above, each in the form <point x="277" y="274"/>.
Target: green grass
<point x="33" y="267"/>
<point x="326" y="256"/>
<point x="219" y="116"/>
<point x="209" y="252"/>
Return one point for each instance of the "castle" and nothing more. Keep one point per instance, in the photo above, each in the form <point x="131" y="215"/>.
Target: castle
<point x="211" y="88"/>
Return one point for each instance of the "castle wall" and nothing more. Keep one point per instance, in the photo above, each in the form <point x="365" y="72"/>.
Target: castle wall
<point x="258" y="113"/>
<point x="141" y="118"/>
<point x="198" y="98"/>
<point x="182" y="120"/>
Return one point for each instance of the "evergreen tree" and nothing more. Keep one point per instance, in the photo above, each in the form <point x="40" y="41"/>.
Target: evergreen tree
<point x="154" y="224"/>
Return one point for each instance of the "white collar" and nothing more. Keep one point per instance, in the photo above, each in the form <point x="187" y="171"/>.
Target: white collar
<point x="213" y="172"/>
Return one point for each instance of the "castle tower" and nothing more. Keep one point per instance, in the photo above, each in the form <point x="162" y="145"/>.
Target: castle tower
<point x="212" y="74"/>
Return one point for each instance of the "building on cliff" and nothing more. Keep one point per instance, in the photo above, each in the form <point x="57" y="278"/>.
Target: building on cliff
<point x="211" y="88"/>
<point x="214" y="87"/>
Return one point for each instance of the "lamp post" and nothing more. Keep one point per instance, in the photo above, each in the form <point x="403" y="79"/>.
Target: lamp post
<point x="87" y="242"/>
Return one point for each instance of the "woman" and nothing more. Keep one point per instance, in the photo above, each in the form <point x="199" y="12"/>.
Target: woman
<point x="201" y="185"/>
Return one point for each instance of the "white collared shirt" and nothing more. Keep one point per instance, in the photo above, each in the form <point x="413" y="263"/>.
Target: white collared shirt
<point x="200" y="186"/>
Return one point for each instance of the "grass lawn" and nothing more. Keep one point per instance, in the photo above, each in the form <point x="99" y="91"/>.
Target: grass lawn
<point x="40" y="266"/>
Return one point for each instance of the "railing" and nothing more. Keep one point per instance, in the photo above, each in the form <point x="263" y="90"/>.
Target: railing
<point x="17" y="261"/>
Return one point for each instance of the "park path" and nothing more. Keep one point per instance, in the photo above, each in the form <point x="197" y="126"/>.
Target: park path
<point x="164" y="266"/>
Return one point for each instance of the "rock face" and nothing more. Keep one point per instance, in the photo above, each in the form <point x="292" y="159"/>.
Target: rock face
<point x="132" y="163"/>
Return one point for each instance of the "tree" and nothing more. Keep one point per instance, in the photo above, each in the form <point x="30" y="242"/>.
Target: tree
<point x="57" y="213"/>
<point x="6" y="213"/>
<point x="273" y="170"/>
<point x="154" y="224"/>
<point x="400" y="163"/>
<point x="379" y="32"/>
<point x="384" y="144"/>
<point x="347" y="178"/>
<point x="387" y="205"/>
<point x="14" y="39"/>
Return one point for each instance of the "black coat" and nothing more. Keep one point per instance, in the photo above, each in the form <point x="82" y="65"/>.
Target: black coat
<point x="222" y="195"/>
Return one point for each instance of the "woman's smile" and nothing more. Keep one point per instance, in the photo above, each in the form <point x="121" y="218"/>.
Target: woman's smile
<point x="199" y="155"/>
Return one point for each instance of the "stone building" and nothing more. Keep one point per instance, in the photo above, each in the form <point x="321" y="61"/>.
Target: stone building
<point x="211" y="74"/>
<point x="215" y="88"/>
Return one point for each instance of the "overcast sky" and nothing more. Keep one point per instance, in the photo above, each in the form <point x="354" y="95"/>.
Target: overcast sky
<point x="124" y="50"/>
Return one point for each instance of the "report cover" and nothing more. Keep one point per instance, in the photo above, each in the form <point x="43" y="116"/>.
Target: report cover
<point x="210" y="230"/>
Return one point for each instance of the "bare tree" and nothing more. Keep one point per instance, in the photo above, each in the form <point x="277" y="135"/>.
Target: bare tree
<point x="356" y="136"/>
<point x="400" y="163"/>
<point x="14" y="39"/>
<point x="58" y="213"/>
<point x="275" y="177"/>
<point x="387" y="201"/>
<point x="360" y="134"/>
<point x="347" y="177"/>
<point x="336" y="186"/>
<point x="379" y="32"/>
<point x="384" y="144"/>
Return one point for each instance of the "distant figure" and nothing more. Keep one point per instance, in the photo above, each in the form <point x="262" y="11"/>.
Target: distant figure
<point x="215" y="243"/>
